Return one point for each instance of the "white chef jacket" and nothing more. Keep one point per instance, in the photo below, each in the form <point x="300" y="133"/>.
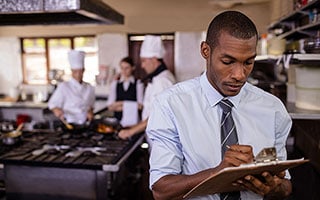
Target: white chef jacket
<point x="159" y="82"/>
<point x="74" y="99"/>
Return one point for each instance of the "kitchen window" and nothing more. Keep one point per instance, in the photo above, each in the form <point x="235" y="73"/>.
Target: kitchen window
<point x="45" y="60"/>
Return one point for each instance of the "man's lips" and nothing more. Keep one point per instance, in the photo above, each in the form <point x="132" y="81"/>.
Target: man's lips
<point x="234" y="86"/>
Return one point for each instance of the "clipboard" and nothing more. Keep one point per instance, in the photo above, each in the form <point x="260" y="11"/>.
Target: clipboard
<point x="222" y="181"/>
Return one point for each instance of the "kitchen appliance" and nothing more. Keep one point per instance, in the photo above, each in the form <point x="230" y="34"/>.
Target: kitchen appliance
<point x="64" y="165"/>
<point x="52" y="12"/>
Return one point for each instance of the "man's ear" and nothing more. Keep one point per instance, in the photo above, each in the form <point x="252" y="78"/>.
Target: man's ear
<point x="205" y="50"/>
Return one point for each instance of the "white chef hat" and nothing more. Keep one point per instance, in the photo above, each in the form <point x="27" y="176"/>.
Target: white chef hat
<point x="152" y="46"/>
<point x="76" y="59"/>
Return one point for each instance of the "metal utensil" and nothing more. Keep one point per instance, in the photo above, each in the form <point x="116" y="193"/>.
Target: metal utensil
<point x="48" y="147"/>
<point x="266" y="155"/>
<point x="69" y="126"/>
<point x="80" y="150"/>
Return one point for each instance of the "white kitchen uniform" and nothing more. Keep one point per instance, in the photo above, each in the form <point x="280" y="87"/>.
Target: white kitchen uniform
<point x="74" y="99"/>
<point x="159" y="82"/>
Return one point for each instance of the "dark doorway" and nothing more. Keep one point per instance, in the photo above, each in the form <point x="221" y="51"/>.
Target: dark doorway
<point x="135" y="42"/>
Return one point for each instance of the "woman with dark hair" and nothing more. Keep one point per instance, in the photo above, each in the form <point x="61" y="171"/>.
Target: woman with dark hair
<point x="126" y="92"/>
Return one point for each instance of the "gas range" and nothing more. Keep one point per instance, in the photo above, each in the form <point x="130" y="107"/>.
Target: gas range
<point x="88" y="149"/>
<point x="64" y="165"/>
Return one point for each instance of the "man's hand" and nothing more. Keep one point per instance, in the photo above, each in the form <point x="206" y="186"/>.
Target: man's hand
<point x="270" y="186"/>
<point x="237" y="155"/>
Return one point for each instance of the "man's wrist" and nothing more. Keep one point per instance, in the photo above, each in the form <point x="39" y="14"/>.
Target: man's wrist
<point x="283" y="190"/>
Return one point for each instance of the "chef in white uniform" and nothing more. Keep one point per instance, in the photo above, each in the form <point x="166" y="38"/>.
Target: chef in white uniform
<point x="160" y="78"/>
<point x="73" y="100"/>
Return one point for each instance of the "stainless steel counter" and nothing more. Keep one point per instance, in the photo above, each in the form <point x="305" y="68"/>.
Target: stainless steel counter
<point x="10" y="109"/>
<point x="23" y="104"/>
<point x="297" y="113"/>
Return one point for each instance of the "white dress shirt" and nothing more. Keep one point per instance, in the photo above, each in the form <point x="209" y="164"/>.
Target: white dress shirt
<point x="74" y="99"/>
<point x="184" y="128"/>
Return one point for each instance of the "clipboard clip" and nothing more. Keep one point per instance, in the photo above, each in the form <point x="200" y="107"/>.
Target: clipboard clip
<point x="266" y="155"/>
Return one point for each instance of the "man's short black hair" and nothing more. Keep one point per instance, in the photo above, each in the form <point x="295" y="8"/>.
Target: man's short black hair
<point x="234" y="23"/>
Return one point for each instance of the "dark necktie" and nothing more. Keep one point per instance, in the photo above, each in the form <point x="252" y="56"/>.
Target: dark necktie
<point x="228" y="138"/>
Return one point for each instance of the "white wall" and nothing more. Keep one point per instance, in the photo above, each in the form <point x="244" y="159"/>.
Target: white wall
<point x="10" y="64"/>
<point x="111" y="49"/>
<point x="188" y="60"/>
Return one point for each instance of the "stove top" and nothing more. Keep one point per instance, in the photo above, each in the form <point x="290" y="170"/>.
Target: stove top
<point x="87" y="149"/>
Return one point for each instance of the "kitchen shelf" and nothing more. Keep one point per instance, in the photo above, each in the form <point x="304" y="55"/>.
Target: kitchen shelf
<point x="267" y="57"/>
<point x="291" y="23"/>
<point x="307" y="57"/>
<point x="308" y="30"/>
<point x="298" y="113"/>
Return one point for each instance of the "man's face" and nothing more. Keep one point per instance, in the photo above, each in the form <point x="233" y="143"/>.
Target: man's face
<point x="149" y="64"/>
<point x="230" y="63"/>
<point x="77" y="74"/>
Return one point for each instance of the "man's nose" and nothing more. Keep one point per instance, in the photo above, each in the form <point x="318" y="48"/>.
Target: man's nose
<point x="238" y="72"/>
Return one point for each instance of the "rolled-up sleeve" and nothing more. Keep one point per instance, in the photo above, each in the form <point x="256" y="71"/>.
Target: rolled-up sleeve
<point x="166" y="156"/>
<point x="283" y="124"/>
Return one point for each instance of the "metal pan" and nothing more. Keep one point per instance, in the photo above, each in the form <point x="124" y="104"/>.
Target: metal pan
<point x="12" y="137"/>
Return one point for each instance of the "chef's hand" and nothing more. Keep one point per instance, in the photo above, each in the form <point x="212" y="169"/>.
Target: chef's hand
<point x="133" y="130"/>
<point x="116" y="106"/>
<point x="237" y="155"/>
<point x="90" y="115"/>
<point x="58" y="112"/>
<point x="269" y="186"/>
<point x="125" y="134"/>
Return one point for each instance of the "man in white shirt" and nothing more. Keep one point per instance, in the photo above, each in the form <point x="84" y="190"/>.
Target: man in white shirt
<point x="73" y="100"/>
<point x="187" y="121"/>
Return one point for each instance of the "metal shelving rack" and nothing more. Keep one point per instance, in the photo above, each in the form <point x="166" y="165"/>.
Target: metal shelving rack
<point x="295" y="28"/>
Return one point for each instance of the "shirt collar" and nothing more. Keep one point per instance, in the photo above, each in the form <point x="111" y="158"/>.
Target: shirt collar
<point x="75" y="83"/>
<point x="213" y="96"/>
<point x="162" y="67"/>
<point x="130" y="79"/>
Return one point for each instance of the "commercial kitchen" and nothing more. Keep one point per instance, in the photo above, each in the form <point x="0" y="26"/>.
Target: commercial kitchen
<point x="49" y="161"/>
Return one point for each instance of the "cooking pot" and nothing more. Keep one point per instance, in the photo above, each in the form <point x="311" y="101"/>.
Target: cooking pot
<point x="100" y="126"/>
<point x="76" y="128"/>
<point x="11" y="138"/>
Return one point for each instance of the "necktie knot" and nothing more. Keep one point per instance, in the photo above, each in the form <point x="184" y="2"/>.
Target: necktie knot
<point x="226" y="105"/>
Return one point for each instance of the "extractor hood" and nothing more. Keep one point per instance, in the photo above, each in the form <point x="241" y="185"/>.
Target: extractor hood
<point x="57" y="12"/>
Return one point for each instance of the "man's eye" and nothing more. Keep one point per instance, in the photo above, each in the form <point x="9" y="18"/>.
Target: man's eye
<point x="227" y="62"/>
<point x="248" y="62"/>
